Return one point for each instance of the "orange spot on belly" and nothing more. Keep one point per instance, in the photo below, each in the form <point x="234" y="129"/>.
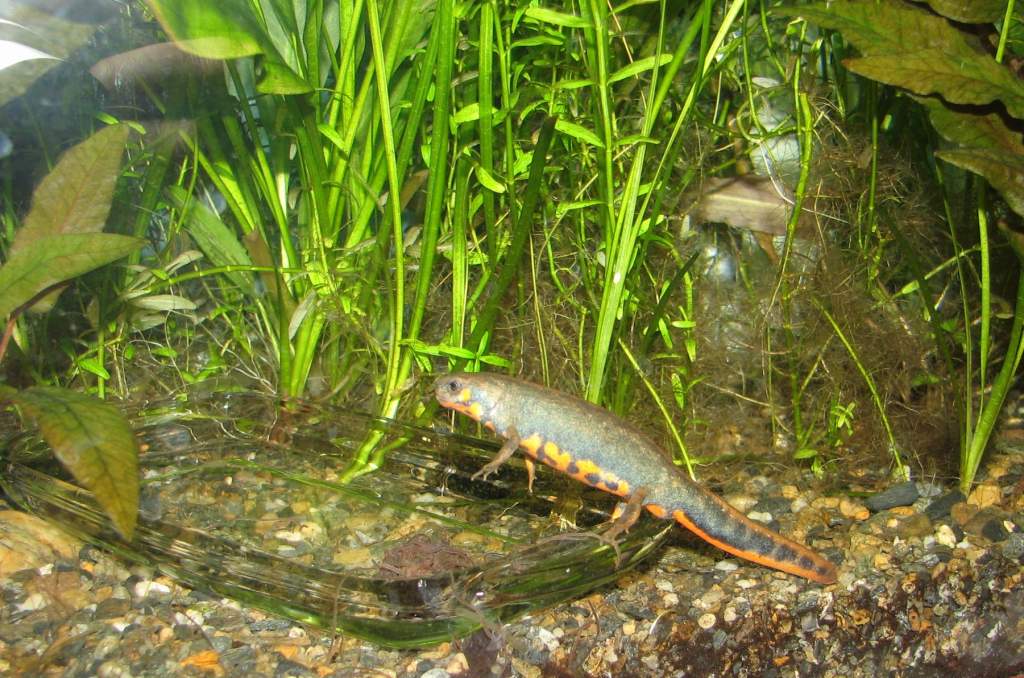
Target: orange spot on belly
<point x="657" y="510"/>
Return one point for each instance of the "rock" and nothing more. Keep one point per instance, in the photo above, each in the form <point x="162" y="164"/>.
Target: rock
<point x="985" y="495"/>
<point x="853" y="510"/>
<point x="939" y="508"/>
<point x="29" y="542"/>
<point x="903" y="494"/>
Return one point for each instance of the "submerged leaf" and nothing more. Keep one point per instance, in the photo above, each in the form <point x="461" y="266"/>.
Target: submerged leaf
<point x="970" y="11"/>
<point x="94" y="441"/>
<point x="14" y="53"/>
<point x="753" y="203"/>
<point x="52" y="259"/>
<point x="970" y="129"/>
<point x="1004" y="171"/>
<point x="152" y="62"/>
<point x="226" y="29"/>
<point x="214" y="238"/>
<point x="75" y="196"/>
<point x="909" y="47"/>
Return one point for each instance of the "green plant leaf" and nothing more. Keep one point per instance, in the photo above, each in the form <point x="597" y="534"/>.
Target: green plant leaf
<point x="225" y="29"/>
<point x="970" y="11"/>
<point x="638" y="67"/>
<point x="75" y="196"/>
<point x="579" y="132"/>
<point x="550" y="16"/>
<point x="972" y="130"/>
<point x="214" y="238"/>
<point x="52" y="259"/>
<point x="94" y="441"/>
<point x="912" y="48"/>
<point x="1004" y="171"/>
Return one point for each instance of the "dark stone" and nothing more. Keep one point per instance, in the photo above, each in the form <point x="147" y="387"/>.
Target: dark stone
<point x="994" y="530"/>
<point x="940" y="507"/>
<point x="776" y="506"/>
<point x="1014" y="546"/>
<point x="902" y="494"/>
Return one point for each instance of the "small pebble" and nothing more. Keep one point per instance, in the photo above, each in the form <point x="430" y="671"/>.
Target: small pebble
<point x="945" y="536"/>
<point x="853" y="510"/>
<point x="706" y="621"/>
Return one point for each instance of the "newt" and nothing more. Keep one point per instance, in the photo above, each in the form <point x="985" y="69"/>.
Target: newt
<point x="602" y="450"/>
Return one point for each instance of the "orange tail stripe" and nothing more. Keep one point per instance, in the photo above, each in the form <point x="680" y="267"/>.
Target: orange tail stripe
<point x="828" y="577"/>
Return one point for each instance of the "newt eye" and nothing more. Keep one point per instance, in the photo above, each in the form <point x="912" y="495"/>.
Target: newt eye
<point x="453" y="386"/>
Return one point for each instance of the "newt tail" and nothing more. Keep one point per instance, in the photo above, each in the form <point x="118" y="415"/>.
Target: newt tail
<point x="604" y="451"/>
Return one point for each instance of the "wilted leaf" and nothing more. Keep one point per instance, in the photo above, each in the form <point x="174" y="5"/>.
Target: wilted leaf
<point x="970" y="129"/>
<point x="152" y="62"/>
<point x="970" y="11"/>
<point x="1004" y="171"/>
<point x="164" y="302"/>
<point x="93" y="440"/>
<point x="909" y="47"/>
<point x="53" y="259"/>
<point x="753" y="203"/>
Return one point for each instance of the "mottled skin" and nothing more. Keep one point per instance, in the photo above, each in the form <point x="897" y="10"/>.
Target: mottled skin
<point x="602" y="450"/>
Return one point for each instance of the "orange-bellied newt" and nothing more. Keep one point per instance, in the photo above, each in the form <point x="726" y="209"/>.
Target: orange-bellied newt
<point x="602" y="450"/>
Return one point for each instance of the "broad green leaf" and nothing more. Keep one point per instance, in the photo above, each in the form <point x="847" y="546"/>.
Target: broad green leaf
<point x="972" y="130"/>
<point x="488" y="181"/>
<point x="550" y="16"/>
<point x="638" y="67"/>
<point x="467" y="114"/>
<point x="579" y="132"/>
<point x="909" y="47"/>
<point x="75" y="196"/>
<point x="52" y="259"/>
<point x="959" y="80"/>
<point x="970" y="11"/>
<point x="93" y="366"/>
<point x="225" y="29"/>
<point x="214" y="238"/>
<point x="94" y="441"/>
<point x="1004" y="171"/>
<point x="281" y="79"/>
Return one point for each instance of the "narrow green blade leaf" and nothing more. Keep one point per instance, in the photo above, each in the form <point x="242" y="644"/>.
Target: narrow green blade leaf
<point x="93" y="440"/>
<point x="638" y="67"/>
<point x="53" y="259"/>
<point x="214" y="238"/>
<point x="550" y="16"/>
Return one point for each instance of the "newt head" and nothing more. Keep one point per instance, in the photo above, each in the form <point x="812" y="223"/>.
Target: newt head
<point x="466" y="393"/>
